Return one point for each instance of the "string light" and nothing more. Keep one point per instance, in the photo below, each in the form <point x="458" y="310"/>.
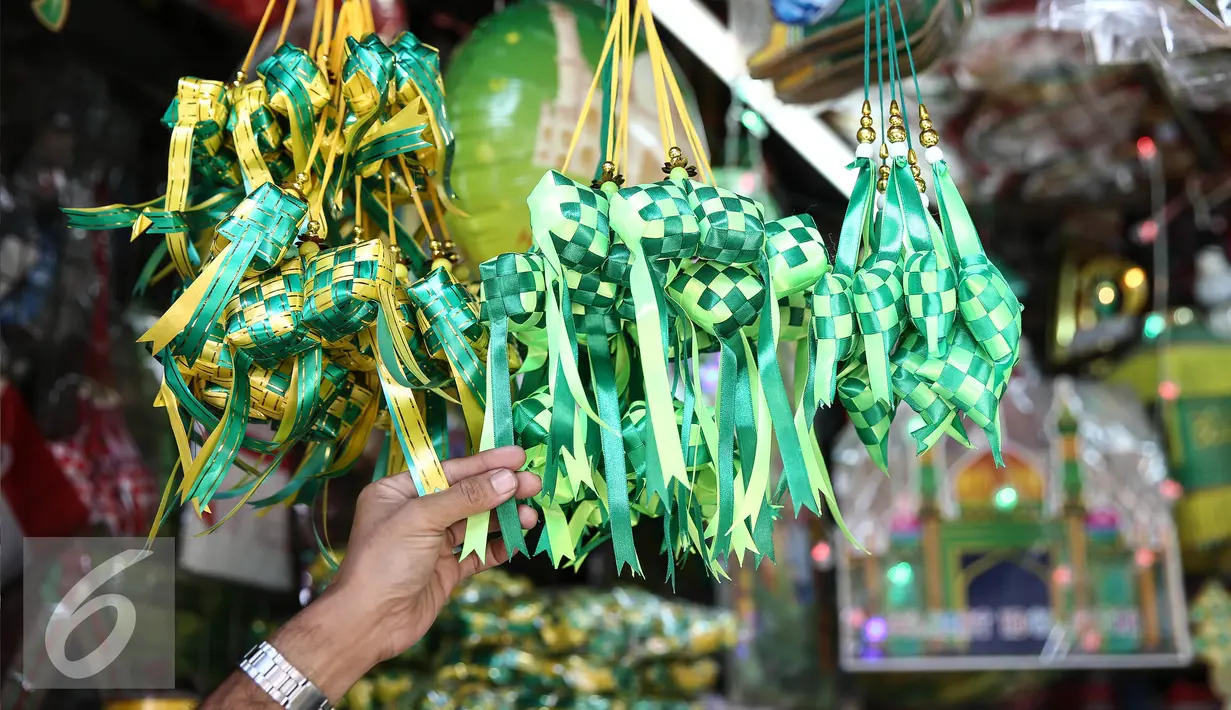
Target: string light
<point x="821" y="552"/>
<point x="1148" y="231"/>
<point x="876" y="630"/>
<point x="900" y="574"/>
<point x="1134" y="277"/>
<point x="1146" y="149"/>
<point x="1154" y="325"/>
<point x="1106" y="295"/>
<point x="1005" y="498"/>
<point x="1183" y="316"/>
<point x="1171" y="489"/>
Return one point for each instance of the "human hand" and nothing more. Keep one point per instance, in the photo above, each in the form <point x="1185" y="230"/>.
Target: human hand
<point x="400" y="567"/>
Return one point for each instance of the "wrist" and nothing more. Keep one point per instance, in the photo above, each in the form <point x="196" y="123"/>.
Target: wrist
<point x="331" y="642"/>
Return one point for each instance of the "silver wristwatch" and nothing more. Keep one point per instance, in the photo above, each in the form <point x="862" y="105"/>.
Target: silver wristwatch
<point x="286" y="685"/>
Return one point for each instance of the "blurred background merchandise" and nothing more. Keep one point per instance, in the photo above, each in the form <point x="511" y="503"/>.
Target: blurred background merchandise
<point x="1090" y="139"/>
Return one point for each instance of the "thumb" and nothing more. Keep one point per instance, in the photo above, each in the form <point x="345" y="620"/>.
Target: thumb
<point x="436" y="512"/>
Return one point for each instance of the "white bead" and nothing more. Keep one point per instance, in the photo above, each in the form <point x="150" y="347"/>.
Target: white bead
<point x="880" y="200"/>
<point x="934" y="155"/>
<point x="865" y="150"/>
<point x="924" y="196"/>
<point x="897" y="150"/>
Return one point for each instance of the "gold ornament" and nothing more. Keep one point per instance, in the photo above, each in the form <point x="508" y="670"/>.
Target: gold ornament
<point x="927" y="135"/>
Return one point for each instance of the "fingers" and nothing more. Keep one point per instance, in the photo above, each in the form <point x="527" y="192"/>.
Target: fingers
<point x="456" y="470"/>
<point x="496" y="555"/>
<point x="456" y="533"/>
<point x="506" y="457"/>
<point x="435" y="513"/>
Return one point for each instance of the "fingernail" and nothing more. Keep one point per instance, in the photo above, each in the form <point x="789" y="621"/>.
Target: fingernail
<point x="504" y="482"/>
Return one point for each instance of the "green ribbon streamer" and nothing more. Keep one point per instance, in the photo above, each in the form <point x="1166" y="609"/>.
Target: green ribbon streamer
<point x="291" y="76"/>
<point x="793" y="467"/>
<point x="436" y="418"/>
<point x="260" y="230"/>
<point x="615" y="466"/>
<point x="234" y="422"/>
<point x="877" y="292"/>
<point x="445" y="306"/>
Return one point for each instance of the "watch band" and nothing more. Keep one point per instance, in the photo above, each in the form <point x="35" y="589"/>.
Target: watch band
<point x="281" y="681"/>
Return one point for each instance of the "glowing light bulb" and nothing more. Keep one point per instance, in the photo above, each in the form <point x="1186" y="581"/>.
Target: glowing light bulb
<point x="876" y="630"/>
<point x="1148" y="231"/>
<point x="1183" y="316"/>
<point x="1154" y="326"/>
<point x="1134" y="277"/>
<point x="821" y="552"/>
<point x="1106" y="295"/>
<point x="1146" y="148"/>
<point x="900" y="574"/>
<point x="1005" y="498"/>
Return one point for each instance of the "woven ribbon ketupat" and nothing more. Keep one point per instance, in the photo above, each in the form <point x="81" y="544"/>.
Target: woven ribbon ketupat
<point x="309" y="313"/>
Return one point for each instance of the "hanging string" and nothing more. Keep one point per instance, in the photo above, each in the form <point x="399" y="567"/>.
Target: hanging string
<point x="585" y="107"/>
<point x="896" y="90"/>
<point x="256" y="38"/>
<point x="666" y="126"/>
<point x="314" y="37"/>
<point x="690" y="130"/>
<point x="287" y="16"/>
<point x="629" y="31"/>
<point x="880" y="72"/>
<point x="608" y="129"/>
<point x="867" y="49"/>
<point x="914" y="73"/>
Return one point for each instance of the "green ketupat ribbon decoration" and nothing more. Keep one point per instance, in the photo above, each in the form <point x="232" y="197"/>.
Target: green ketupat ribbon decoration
<point x="257" y="234"/>
<point x="298" y="90"/>
<point x="877" y="289"/>
<point x="870" y="416"/>
<point x="971" y="382"/>
<point x="931" y="282"/>
<point x="934" y="416"/>
<point x="794" y="259"/>
<point x="723" y="300"/>
<point x="417" y="72"/>
<point x="988" y="306"/>
<point x="570" y="228"/>
<point x="656" y="222"/>
<point x="833" y="307"/>
<point x="263" y="317"/>
<point x="598" y="327"/>
<point x="365" y="80"/>
<point x="200" y="111"/>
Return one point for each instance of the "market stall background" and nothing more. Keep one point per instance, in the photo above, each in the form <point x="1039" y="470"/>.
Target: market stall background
<point x="1099" y="179"/>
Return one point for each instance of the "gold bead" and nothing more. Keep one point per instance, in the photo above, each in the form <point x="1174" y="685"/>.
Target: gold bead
<point x="882" y="184"/>
<point x="865" y="121"/>
<point x="867" y="108"/>
<point x="923" y="113"/>
<point x="357" y="234"/>
<point x="925" y="125"/>
<point x="920" y="184"/>
<point x="896" y="134"/>
<point x="929" y="138"/>
<point x="866" y="135"/>
<point x="402" y="273"/>
<point x="884" y="151"/>
<point x="675" y="153"/>
<point x="314" y="229"/>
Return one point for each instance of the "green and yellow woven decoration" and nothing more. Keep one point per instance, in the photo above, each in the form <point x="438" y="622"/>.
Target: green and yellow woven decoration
<point x="305" y="295"/>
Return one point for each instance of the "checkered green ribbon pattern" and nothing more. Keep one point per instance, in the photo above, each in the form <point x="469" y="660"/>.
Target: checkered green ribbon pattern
<point x="256" y="332"/>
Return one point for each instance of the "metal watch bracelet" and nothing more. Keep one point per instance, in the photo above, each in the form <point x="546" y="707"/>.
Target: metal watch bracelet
<point x="281" y="681"/>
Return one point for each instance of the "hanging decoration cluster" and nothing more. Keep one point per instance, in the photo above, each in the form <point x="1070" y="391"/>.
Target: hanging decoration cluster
<point x="626" y="286"/>
<point x="306" y="303"/>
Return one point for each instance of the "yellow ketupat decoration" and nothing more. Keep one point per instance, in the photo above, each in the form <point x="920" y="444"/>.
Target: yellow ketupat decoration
<point x="306" y="305"/>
